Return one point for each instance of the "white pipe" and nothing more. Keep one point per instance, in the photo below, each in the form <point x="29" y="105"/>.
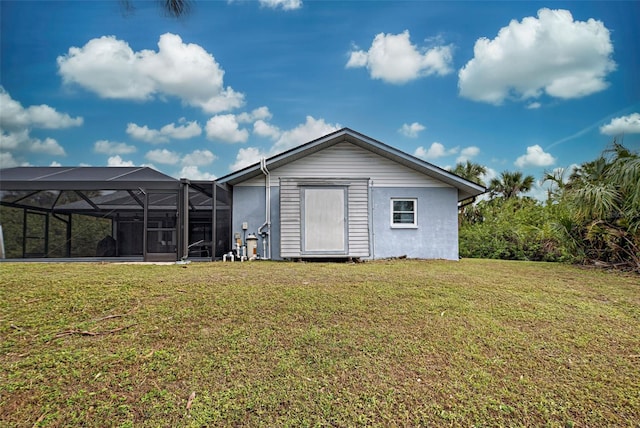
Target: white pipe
<point x="267" y="222"/>
<point x="372" y="236"/>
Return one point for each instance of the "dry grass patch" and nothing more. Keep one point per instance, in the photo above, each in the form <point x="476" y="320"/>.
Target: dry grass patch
<point x="400" y="343"/>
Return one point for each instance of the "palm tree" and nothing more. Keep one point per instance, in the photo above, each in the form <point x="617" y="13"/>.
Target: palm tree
<point x="470" y="171"/>
<point x="173" y="8"/>
<point x="604" y="196"/>
<point x="557" y="183"/>
<point x="510" y="184"/>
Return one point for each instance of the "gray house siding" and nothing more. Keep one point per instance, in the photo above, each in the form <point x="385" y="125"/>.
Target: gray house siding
<point x="290" y="221"/>
<point x="348" y="160"/>
<point x="292" y="227"/>
<point x="436" y="235"/>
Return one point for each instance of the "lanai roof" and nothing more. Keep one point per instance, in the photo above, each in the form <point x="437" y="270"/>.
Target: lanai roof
<point x="466" y="188"/>
<point x="84" y="178"/>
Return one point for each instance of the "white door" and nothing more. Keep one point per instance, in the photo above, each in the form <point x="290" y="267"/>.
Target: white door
<point x="324" y="228"/>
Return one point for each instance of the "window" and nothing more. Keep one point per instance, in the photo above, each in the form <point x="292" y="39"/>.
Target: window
<point x="404" y="213"/>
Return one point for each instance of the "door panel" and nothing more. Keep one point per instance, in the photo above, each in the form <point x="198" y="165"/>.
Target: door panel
<point x="324" y="221"/>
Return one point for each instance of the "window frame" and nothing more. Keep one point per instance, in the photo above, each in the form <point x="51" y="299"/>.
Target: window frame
<point x="395" y="225"/>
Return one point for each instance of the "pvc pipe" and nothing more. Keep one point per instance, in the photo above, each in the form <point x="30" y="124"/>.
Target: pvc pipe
<point x="267" y="223"/>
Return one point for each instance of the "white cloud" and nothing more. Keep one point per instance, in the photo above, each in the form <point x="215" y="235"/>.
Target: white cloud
<point x="12" y="140"/>
<point x="489" y="175"/>
<point x="198" y="158"/>
<point x="112" y="148"/>
<point x="412" y="130"/>
<point x="16" y="123"/>
<point x="111" y="69"/>
<point x="264" y="129"/>
<point x="192" y="172"/>
<point x="163" y="156"/>
<point x="182" y="132"/>
<point x="43" y="116"/>
<point x="144" y="133"/>
<point x="394" y="59"/>
<point x="225" y="127"/>
<point x="7" y="160"/>
<point x="247" y="156"/>
<point x="550" y="54"/>
<point x="622" y="125"/>
<point x="435" y="151"/>
<point x="118" y="161"/>
<point x="21" y="141"/>
<point x="357" y="58"/>
<point x="54" y="163"/>
<point x="14" y="117"/>
<point x="535" y="157"/>
<point x="308" y="131"/>
<point x="261" y="113"/>
<point x="164" y="134"/>
<point x="467" y="153"/>
<point x="284" y="4"/>
<point x="534" y="105"/>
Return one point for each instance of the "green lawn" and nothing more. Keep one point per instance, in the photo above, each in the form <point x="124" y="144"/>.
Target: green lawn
<point x="388" y="343"/>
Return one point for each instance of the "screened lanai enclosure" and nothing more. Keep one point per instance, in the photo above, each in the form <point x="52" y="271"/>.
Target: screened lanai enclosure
<point x="124" y="213"/>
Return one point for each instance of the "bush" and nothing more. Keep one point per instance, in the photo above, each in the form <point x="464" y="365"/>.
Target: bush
<point x="512" y="229"/>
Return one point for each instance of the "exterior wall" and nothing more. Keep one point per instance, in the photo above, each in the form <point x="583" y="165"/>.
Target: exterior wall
<point x="249" y="206"/>
<point x="436" y="236"/>
<point x="357" y="215"/>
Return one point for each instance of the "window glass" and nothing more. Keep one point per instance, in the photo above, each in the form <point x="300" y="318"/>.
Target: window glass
<point x="403" y="212"/>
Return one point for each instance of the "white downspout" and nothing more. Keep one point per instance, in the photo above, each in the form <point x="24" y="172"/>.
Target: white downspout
<point x="372" y="235"/>
<point x="266" y="239"/>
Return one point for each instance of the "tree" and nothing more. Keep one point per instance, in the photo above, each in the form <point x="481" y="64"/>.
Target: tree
<point x="557" y="183"/>
<point x="604" y="199"/>
<point x="470" y="171"/>
<point x="173" y="8"/>
<point x="594" y="217"/>
<point x="510" y="184"/>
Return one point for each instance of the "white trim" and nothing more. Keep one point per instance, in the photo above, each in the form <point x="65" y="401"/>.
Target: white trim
<point x="413" y="225"/>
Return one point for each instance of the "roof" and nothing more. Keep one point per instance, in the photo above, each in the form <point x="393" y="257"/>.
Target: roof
<point x="131" y="200"/>
<point x="85" y="178"/>
<point x="466" y="188"/>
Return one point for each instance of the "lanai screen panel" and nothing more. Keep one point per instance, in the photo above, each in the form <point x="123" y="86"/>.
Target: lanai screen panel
<point x="69" y="212"/>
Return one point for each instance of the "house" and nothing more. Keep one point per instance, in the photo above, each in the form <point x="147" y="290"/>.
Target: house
<point x="346" y="195"/>
<point x="341" y="196"/>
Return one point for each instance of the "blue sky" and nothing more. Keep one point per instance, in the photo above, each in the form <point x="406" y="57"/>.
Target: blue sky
<point x="528" y="86"/>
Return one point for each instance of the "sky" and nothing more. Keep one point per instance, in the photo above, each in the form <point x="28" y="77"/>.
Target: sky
<point x="513" y="86"/>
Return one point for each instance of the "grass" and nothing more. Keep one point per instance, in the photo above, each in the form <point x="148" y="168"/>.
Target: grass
<point x="388" y="343"/>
